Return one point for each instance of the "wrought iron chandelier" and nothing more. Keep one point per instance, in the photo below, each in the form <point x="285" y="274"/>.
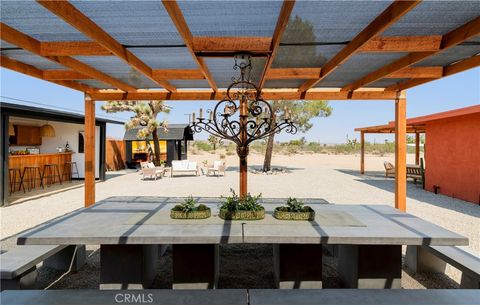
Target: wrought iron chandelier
<point x="243" y="116"/>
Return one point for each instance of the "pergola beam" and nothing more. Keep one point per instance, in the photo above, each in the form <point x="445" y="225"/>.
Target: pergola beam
<point x="282" y="22"/>
<point x="312" y="73"/>
<point x="64" y="75"/>
<point x="177" y="17"/>
<point x="28" y="43"/>
<point x="388" y="17"/>
<point x="178" y="74"/>
<point x="292" y="73"/>
<point x="268" y="94"/>
<point x="457" y="67"/>
<point x="32" y="71"/>
<point x="418" y="72"/>
<point x="73" y="48"/>
<point x="85" y="25"/>
<point x="402" y="44"/>
<point x="231" y="44"/>
<point x="449" y="40"/>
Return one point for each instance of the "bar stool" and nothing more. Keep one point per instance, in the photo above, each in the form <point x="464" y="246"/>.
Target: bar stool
<point x="15" y="174"/>
<point x="50" y="172"/>
<point x="69" y="169"/>
<point x="29" y="177"/>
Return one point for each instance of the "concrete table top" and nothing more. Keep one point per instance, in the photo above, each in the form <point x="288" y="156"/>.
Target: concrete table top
<point x="107" y="222"/>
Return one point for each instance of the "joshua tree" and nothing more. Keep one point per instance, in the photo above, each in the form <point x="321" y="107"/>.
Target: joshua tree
<point x="301" y="113"/>
<point x="214" y="141"/>
<point x="145" y="116"/>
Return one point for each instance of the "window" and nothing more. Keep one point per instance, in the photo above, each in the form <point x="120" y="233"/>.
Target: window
<point x="81" y="143"/>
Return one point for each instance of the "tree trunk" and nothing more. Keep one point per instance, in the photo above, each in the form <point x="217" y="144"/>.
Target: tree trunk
<point x="156" y="145"/>
<point x="267" y="162"/>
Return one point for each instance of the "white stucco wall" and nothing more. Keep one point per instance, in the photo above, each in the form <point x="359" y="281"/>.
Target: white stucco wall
<point x="64" y="132"/>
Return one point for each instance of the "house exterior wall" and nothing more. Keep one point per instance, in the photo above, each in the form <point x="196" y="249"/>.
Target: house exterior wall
<point x="452" y="157"/>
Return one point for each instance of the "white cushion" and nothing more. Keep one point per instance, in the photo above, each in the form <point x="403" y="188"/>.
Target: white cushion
<point x="217" y="164"/>
<point x="176" y="164"/>
<point x="192" y="165"/>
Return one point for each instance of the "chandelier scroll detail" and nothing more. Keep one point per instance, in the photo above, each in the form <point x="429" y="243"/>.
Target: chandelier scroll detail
<point x="243" y="116"/>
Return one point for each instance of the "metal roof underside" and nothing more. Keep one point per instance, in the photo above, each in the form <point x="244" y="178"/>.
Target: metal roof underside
<point x="316" y="31"/>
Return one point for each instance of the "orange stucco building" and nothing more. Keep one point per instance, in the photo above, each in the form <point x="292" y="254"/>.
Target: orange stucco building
<point x="452" y="152"/>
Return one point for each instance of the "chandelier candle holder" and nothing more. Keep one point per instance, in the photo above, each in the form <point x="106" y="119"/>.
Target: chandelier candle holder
<point x="243" y="116"/>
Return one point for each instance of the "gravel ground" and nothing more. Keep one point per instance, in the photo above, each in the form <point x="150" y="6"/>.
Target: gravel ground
<point x="332" y="177"/>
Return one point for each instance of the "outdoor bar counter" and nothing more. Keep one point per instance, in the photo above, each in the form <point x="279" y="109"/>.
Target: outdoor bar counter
<point x="367" y="239"/>
<point x="20" y="161"/>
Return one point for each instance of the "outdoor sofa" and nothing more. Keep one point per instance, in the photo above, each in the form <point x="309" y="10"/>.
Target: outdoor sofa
<point x="184" y="167"/>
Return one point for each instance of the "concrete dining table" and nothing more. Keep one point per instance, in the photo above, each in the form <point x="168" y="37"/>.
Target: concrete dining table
<point x="366" y="239"/>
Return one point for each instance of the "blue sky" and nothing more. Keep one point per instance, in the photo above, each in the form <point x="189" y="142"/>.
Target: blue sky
<point x="457" y="91"/>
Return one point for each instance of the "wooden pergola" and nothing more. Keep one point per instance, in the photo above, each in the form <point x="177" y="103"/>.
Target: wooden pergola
<point x="372" y="50"/>
<point x="416" y="129"/>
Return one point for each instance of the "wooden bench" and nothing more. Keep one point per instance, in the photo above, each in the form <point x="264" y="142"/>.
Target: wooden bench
<point x="416" y="172"/>
<point x="18" y="267"/>
<point x="243" y="297"/>
<point x="435" y="258"/>
<point x="364" y="297"/>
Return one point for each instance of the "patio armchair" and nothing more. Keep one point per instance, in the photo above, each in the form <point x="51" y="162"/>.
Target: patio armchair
<point x="389" y="169"/>
<point x="218" y="167"/>
<point x="184" y="166"/>
<point x="150" y="170"/>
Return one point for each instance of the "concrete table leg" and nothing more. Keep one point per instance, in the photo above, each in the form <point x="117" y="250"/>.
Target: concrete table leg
<point x="127" y="266"/>
<point x="419" y="259"/>
<point x="62" y="259"/>
<point x="25" y="281"/>
<point x="298" y="266"/>
<point x="195" y="266"/>
<point x="370" y="266"/>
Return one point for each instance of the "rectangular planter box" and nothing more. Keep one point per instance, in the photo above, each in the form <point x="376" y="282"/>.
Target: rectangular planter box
<point x="242" y="215"/>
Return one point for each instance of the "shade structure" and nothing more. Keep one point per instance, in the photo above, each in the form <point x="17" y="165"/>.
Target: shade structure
<point x="184" y="50"/>
<point x="47" y="131"/>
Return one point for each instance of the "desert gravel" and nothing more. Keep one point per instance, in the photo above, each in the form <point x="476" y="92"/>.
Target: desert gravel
<point x="331" y="177"/>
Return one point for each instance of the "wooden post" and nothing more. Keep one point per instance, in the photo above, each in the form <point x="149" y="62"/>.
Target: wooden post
<point x="400" y="154"/>
<point x="417" y="148"/>
<point x="362" y="152"/>
<point x="89" y="151"/>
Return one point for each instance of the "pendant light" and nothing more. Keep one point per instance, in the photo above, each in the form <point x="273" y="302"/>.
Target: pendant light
<point x="47" y="130"/>
<point x="11" y="130"/>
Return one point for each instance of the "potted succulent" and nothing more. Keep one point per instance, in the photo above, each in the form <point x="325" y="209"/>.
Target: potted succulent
<point x="242" y="208"/>
<point x="294" y="210"/>
<point x="190" y="210"/>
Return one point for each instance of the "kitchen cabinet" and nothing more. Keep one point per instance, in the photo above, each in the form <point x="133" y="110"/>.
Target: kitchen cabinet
<point x="27" y="135"/>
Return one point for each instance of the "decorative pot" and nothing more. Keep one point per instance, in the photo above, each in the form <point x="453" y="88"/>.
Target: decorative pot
<point x="191" y="214"/>
<point x="284" y="215"/>
<point x="242" y="215"/>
